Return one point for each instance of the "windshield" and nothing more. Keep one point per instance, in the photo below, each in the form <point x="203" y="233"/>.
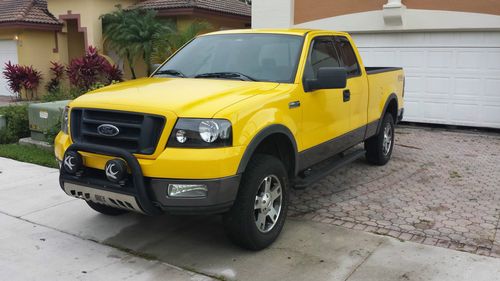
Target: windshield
<point x="256" y="57"/>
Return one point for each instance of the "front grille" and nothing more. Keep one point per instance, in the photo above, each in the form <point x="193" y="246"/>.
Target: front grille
<point x="138" y="133"/>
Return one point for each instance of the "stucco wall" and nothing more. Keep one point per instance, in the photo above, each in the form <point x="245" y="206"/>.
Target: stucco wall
<point x="34" y="47"/>
<point x="89" y="11"/>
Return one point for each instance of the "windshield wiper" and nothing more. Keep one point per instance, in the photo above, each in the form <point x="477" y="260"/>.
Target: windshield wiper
<point x="226" y="75"/>
<point x="172" y="72"/>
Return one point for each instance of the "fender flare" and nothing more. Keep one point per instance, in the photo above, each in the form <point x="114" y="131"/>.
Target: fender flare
<point x="391" y="97"/>
<point x="259" y="137"/>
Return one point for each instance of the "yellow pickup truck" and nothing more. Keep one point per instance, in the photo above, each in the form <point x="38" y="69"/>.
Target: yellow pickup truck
<point x="227" y="125"/>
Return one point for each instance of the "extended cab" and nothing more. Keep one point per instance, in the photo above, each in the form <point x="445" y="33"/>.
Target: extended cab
<point x="228" y="125"/>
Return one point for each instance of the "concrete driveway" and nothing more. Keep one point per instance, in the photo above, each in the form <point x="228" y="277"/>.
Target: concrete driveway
<point x="46" y="235"/>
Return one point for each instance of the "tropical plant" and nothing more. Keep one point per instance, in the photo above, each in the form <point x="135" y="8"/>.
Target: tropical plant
<point x="21" y="77"/>
<point x="14" y="77"/>
<point x="171" y="42"/>
<point x="91" y="69"/>
<point x="57" y="72"/>
<point x="132" y="33"/>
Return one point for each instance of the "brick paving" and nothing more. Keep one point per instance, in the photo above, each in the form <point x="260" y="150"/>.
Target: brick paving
<point x="441" y="188"/>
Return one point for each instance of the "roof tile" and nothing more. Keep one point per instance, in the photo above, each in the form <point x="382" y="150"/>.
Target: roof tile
<point x="235" y="7"/>
<point x="26" y="11"/>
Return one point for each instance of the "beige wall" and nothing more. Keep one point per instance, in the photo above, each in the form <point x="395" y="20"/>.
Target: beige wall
<point x="36" y="48"/>
<point x="75" y="40"/>
<point x="89" y="11"/>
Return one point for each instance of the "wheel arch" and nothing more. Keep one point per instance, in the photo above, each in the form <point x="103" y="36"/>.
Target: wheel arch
<point x="391" y="106"/>
<point x="271" y="135"/>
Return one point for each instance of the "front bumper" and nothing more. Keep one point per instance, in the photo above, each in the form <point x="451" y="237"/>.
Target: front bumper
<point x="173" y="163"/>
<point x="144" y="194"/>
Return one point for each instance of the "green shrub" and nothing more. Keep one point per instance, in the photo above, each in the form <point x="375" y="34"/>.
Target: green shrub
<point x="57" y="94"/>
<point x="17" y="123"/>
<point x="52" y="132"/>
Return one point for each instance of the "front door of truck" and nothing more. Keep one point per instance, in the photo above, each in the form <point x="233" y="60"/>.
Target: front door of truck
<point x="325" y="113"/>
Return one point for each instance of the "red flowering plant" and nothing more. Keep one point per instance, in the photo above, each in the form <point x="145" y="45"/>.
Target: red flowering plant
<point x="92" y="69"/>
<point x="21" y="77"/>
<point x="13" y="76"/>
<point x="57" y="72"/>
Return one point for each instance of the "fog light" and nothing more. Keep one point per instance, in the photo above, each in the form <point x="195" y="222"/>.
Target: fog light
<point x="73" y="162"/>
<point x="116" y="170"/>
<point x="187" y="190"/>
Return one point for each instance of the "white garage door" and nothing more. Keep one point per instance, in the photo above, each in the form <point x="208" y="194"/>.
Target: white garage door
<point x="451" y="78"/>
<point x="8" y="52"/>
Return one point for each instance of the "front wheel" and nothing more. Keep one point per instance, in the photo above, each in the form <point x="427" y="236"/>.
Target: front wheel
<point x="379" y="147"/>
<point x="259" y="211"/>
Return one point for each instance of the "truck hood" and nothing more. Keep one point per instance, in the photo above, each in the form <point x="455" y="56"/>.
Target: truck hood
<point x="185" y="97"/>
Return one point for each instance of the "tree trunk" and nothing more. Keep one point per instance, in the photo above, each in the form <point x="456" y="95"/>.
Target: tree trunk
<point x="130" y="65"/>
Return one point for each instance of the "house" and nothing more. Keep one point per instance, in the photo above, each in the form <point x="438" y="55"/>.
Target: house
<point x="450" y="49"/>
<point x="35" y="32"/>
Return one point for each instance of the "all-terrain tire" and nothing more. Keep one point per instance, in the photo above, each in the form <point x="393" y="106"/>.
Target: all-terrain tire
<point x="106" y="210"/>
<point x="379" y="147"/>
<point x="241" y="222"/>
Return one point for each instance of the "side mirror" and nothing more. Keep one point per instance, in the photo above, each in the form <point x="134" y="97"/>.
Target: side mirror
<point x="328" y="78"/>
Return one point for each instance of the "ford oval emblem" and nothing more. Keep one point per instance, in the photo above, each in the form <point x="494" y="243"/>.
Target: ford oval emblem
<point x="108" y="130"/>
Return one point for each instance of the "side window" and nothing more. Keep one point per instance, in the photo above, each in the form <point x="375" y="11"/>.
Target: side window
<point x="349" y="60"/>
<point x="321" y="54"/>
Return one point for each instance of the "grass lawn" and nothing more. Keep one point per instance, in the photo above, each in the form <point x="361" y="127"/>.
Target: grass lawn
<point x="30" y="154"/>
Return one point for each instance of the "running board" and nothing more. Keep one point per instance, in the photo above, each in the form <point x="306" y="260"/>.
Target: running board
<point x="313" y="175"/>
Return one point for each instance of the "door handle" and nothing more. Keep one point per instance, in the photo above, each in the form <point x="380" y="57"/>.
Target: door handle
<point x="294" y="104"/>
<point x="347" y="95"/>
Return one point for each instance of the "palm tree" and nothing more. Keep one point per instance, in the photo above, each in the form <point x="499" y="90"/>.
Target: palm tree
<point x="132" y="33"/>
<point x="170" y="42"/>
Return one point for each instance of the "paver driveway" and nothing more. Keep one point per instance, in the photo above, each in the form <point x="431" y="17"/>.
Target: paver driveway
<point x="440" y="188"/>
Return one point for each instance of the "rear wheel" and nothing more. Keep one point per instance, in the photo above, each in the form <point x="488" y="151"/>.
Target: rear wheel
<point x="379" y="147"/>
<point x="258" y="214"/>
<point x="106" y="210"/>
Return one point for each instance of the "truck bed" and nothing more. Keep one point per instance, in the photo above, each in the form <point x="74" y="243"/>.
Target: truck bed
<point x="383" y="80"/>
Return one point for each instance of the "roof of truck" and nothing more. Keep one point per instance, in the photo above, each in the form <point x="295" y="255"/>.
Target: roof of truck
<point x="290" y="31"/>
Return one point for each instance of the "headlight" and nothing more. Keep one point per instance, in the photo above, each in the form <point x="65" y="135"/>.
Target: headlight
<point x="189" y="132"/>
<point x="64" y="120"/>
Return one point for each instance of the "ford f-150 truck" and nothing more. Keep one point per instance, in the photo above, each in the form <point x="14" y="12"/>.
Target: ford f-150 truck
<point x="227" y="125"/>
